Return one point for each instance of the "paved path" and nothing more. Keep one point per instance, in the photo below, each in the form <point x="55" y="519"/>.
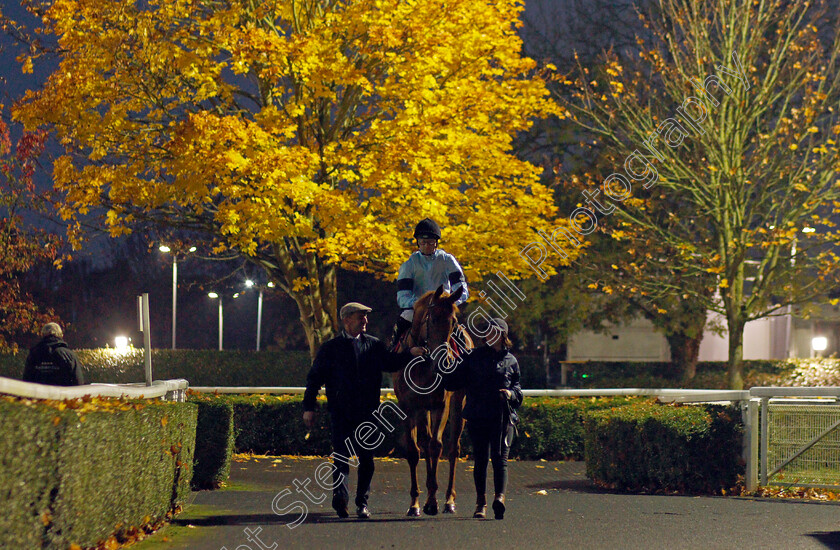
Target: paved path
<point x="550" y="505"/>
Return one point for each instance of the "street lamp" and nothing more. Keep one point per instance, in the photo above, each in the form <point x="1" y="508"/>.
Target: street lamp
<point x="121" y="344"/>
<point x="250" y="284"/>
<point x="217" y="296"/>
<point x="166" y="250"/>
<point x="819" y="344"/>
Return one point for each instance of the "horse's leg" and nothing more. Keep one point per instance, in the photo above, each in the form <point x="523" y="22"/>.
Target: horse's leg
<point x="437" y="422"/>
<point x="412" y="452"/>
<point x="456" y="427"/>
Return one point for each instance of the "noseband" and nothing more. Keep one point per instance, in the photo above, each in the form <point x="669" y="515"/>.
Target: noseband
<point x="426" y="323"/>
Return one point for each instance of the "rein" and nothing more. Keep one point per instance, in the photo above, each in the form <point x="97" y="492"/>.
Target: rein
<point x="427" y="319"/>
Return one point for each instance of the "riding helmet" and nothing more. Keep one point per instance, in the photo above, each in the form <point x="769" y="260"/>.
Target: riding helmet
<point x="427" y="229"/>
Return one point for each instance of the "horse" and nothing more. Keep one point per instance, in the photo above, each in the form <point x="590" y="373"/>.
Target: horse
<point x="421" y="396"/>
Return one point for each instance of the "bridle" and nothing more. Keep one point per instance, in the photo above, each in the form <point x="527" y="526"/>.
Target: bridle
<point x="426" y="323"/>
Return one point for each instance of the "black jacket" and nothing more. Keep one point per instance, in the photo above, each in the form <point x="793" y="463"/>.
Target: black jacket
<point x="52" y="362"/>
<point x="352" y="386"/>
<point x="483" y="372"/>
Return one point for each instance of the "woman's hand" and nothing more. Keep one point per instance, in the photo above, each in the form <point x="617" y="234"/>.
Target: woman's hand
<point x="505" y="393"/>
<point x="309" y="419"/>
<point x="417" y="351"/>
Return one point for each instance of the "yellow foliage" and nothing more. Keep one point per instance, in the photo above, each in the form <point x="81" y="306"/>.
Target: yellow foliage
<point x="337" y="127"/>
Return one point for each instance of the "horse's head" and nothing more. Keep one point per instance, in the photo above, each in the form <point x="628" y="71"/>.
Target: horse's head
<point x="434" y="317"/>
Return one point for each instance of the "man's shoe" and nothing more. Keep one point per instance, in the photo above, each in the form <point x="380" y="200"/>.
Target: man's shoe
<point x="340" y="507"/>
<point x="363" y="512"/>
<point x="499" y="506"/>
<point x="480" y="511"/>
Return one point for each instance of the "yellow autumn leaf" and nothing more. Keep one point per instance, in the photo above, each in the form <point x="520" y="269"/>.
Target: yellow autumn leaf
<point x="368" y="116"/>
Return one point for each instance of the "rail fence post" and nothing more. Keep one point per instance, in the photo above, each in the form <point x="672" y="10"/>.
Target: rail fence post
<point x="765" y="435"/>
<point x="750" y="449"/>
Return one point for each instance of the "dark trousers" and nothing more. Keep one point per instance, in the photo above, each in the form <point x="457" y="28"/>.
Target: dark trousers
<point x="341" y="430"/>
<point x="486" y="442"/>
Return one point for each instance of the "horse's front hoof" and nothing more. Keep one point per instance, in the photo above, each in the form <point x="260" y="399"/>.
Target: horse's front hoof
<point x="430" y="509"/>
<point x="449" y="508"/>
<point x="413" y="512"/>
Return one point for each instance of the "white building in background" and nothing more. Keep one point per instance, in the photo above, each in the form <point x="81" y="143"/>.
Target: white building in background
<point x="769" y="338"/>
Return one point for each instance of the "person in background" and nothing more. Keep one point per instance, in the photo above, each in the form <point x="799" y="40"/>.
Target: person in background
<point x="490" y="375"/>
<point x="52" y="362"/>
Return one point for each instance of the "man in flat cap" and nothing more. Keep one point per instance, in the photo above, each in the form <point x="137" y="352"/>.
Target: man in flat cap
<point x="350" y="366"/>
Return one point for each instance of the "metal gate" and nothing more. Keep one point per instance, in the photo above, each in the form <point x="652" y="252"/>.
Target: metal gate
<point x="800" y="444"/>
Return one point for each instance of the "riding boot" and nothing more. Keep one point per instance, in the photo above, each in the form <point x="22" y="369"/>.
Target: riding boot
<point x="400" y="327"/>
<point x="499" y="506"/>
<point x="480" y="507"/>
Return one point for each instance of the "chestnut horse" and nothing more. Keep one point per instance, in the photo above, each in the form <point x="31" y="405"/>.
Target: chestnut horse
<point x="420" y="394"/>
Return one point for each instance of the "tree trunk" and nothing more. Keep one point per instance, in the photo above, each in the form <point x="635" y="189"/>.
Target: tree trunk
<point x="312" y="285"/>
<point x="546" y="359"/>
<point x="684" y="353"/>
<point x="735" y="364"/>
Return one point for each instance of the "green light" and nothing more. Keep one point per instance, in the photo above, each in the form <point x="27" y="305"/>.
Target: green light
<point x="585" y="376"/>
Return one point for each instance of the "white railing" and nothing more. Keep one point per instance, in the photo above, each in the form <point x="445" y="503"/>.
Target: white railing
<point x="663" y="394"/>
<point x="169" y="390"/>
<point x="288" y="390"/>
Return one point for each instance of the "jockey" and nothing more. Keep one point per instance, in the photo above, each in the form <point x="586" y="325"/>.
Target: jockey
<point x="425" y="270"/>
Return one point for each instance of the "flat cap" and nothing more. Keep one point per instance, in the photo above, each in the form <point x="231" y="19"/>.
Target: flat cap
<point x="352" y="307"/>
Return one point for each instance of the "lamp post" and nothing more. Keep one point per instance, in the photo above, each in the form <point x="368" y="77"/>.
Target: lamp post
<point x="166" y="250"/>
<point x="215" y="296"/>
<point x="250" y="284"/>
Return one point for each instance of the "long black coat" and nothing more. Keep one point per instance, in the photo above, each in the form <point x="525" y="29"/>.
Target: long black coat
<point x="52" y="362"/>
<point x="483" y="372"/>
<point x="352" y="386"/>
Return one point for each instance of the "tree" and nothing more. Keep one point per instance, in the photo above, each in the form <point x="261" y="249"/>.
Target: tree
<point x="550" y="35"/>
<point x="632" y="261"/>
<point x="728" y="117"/>
<point x="303" y="135"/>
<point x="21" y="246"/>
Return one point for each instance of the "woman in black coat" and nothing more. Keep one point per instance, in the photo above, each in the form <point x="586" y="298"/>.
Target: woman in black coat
<point x="490" y="375"/>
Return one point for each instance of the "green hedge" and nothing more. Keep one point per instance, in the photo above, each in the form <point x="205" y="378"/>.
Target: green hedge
<point x="549" y="428"/>
<point x="552" y="428"/>
<point x="289" y="368"/>
<point x="653" y="374"/>
<point x="80" y="471"/>
<point x="213" y="443"/>
<point x="651" y="447"/>
<point x="199" y="367"/>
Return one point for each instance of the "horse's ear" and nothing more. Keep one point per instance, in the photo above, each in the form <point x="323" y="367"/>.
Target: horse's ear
<point x="455" y="295"/>
<point x="438" y="292"/>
